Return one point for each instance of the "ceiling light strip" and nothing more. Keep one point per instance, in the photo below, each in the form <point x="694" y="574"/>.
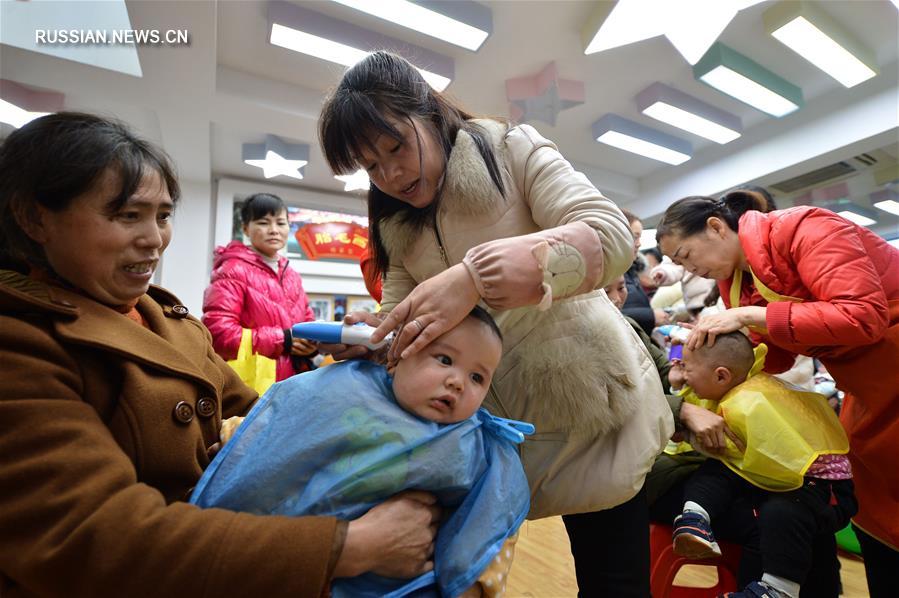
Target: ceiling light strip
<point x="302" y="30"/>
<point x="742" y="78"/>
<point x="683" y="111"/>
<point x="461" y="22"/>
<point x="633" y="137"/>
<point x="815" y="36"/>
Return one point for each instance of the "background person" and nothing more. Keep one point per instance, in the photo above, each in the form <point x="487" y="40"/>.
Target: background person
<point x="464" y="210"/>
<point x="111" y="394"/>
<point x="807" y="281"/>
<point x="254" y="287"/>
<point x="637" y="305"/>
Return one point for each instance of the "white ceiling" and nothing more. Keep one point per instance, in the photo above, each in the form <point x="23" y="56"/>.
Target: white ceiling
<point x="230" y="87"/>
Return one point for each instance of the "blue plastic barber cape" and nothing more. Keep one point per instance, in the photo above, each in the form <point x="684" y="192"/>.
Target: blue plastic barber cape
<point x="335" y="442"/>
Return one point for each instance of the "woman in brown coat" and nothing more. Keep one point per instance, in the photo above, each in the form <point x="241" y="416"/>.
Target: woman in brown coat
<point x="111" y="397"/>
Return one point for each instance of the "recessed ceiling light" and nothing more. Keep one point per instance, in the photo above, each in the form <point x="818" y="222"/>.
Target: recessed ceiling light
<point x="888" y="205"/>
<point x="461" y="22"/>
<point x="744" y="79"/>
<point x="20" y="104"/>
<point x="15" y="116"/>
<point x="302" y="30"/>
<point x="683" y="111"/>
<point x="856" y="218"/>
<point x="633" y="137"/>
<point x="812" y="34"/>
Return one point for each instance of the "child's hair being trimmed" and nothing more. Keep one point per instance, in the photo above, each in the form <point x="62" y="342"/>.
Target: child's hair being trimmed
<point x="733" y="351"/>
<point x="479" y="313"/>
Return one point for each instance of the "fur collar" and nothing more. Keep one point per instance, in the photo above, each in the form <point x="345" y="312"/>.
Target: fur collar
<point x="467" y="190"/>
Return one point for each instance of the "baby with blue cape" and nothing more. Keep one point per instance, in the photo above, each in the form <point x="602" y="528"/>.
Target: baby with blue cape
<point x="344" y="438"/>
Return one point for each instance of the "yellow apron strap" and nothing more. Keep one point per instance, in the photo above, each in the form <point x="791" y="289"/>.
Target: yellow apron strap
<point x="736" y="285"/>
<point x="769" y="295"/>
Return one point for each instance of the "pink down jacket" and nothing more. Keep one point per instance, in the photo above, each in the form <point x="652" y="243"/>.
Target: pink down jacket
<point x="245" y="292"/>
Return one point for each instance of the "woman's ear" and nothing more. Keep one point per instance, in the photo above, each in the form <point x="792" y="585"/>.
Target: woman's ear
<point x="30" y="219"/>
<point x="716" y="227"/>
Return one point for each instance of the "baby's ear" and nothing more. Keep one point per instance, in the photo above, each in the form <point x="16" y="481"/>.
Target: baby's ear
<point x="723" y="375"/>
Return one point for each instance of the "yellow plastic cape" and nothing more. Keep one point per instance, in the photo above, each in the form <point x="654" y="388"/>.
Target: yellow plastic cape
<point x="785" y="428"/>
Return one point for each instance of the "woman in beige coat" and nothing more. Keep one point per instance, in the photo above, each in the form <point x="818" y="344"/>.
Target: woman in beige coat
<point x="112" y="396"/>
<point x="463" y="211"/>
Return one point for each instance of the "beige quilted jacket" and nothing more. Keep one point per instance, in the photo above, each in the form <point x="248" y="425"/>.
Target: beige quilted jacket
<point x="572" y="366"/>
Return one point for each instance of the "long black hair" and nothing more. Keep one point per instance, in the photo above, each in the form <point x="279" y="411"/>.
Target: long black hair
<point x="688" y="216"/>
<point x="386" y="85"/>
<point x="54" y="159"/>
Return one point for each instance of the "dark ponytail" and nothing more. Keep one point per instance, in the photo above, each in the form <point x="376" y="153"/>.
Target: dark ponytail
<point x="688" y="216"/>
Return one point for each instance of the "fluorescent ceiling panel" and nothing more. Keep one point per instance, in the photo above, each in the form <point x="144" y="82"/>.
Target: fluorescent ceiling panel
<point x="888" y="205"/>
<point x="683" y="111"/>
<point x="633" y="137"/>
<point x="857" y="218"/>
<point x="853" y="212"/>
<point x="812" y="34"/>
<point x="20" y="104"/>
<point x="744" y="79"/>
<point x="461" y="22"/>
<point x="20" y="20"/>
<point x="302" y="30"/>
<point x="886" y="200"/>
<point x="15" y="116"/>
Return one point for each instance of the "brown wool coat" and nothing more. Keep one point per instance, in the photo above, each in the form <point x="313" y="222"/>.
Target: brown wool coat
<point x="95" y="465"/>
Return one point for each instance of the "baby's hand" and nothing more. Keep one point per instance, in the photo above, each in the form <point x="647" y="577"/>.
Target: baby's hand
<point x="229" y="426"/>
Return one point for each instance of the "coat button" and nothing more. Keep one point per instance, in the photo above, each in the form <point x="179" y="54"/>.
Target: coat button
<point x="183" y="412"/>
<point x="179" y="311"/>
<point x="206" y="407"/>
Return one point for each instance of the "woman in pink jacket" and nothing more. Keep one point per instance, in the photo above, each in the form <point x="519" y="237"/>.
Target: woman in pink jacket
<point x="806" y="281"/>
<point x="254" y="287"/>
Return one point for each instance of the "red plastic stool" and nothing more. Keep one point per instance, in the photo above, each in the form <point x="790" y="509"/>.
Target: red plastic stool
<point x="664" y="565"/>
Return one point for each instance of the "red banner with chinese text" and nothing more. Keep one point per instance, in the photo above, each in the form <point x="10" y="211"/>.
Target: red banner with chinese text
<point x="340" y="240"/>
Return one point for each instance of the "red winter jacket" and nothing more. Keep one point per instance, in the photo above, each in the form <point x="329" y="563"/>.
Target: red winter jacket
<point x="848" y="280"/>
<point x="844" y="274"/>
<point x="246" y="293"/>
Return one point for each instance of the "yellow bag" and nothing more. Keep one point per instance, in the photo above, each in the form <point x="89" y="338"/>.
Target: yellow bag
<point x="257" y="371"/>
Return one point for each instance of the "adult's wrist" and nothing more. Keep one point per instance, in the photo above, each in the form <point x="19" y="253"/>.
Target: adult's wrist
<point x="288" y="341"/>
<point x="356" y="555"/>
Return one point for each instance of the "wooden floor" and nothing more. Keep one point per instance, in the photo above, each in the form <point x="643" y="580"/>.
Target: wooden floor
<point x="543" y="566"/>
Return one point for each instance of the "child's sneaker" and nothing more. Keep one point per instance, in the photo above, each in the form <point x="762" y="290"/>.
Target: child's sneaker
<point x="756" y="589"/>
<point x="693" y="537"/>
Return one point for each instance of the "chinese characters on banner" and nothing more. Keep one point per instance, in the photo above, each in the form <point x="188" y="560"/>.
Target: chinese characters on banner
<point x="328" y="235"/>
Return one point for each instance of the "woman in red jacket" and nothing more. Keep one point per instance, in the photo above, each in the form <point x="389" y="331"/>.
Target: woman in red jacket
<point x="806" y="281"/>
<point x="254" y="287"/>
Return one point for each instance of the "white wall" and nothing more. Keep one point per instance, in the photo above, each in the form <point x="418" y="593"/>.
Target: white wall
<point x="187" y="261"/>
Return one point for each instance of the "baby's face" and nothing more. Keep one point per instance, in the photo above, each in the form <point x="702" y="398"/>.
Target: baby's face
<point x="448" y="380"/>
<point x="617" y="292"/>
<point x="702" y="377"/>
